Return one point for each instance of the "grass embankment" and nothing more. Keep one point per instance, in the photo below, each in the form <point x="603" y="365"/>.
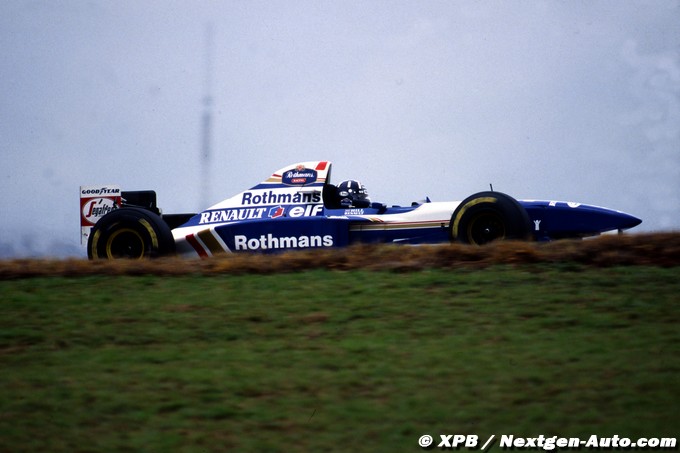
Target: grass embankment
<point x="337" y="360"/>
<point x="661" y="249"/>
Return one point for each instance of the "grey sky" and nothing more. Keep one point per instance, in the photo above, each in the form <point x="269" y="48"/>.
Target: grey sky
<point x="567" y="100"/>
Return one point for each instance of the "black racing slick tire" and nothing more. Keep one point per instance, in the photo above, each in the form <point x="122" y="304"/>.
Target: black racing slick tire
<point x="489" y="216"/>
<point x="130" y="233"/>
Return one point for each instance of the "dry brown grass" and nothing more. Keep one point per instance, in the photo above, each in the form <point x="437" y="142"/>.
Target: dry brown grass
<point x="659" y="249"/>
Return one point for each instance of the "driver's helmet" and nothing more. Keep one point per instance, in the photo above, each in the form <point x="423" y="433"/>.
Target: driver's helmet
<point x="353" y="194"/>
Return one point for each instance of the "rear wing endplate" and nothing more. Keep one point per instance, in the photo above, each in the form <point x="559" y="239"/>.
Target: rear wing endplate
<point x="95" y="203"/>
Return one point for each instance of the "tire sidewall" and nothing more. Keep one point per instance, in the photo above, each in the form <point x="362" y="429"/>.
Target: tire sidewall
<point x="150" y="229"/>
<point x="514" y="218"/>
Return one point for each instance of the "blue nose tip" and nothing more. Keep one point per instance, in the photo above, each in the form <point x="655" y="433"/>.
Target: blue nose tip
<point x="628" y="221"/>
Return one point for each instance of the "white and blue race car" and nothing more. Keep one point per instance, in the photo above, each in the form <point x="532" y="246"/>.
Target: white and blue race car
<point x="297" y="207"/>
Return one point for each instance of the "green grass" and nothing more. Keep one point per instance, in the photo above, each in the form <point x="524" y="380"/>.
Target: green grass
<point x="337" y="361"/>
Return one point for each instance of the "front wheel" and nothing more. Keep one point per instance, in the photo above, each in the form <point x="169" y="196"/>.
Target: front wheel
<point x="131" y="233"/>
<point x="489" y="216"/>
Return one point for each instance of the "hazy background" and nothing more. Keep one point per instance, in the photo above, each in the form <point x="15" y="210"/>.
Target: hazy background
<point x="566" y="100"/>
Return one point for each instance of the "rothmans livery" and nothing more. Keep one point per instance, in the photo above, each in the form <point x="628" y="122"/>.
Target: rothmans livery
<point x="298" y="208"/>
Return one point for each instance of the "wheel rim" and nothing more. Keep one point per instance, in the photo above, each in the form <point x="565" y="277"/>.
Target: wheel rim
<point x="125" y="243"/>
<point x="485" y="227"/>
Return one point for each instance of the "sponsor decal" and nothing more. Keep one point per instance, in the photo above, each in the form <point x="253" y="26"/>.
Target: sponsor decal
<point x="354" y="212"/>
<point x="271" y="242"/>
<point x="231" y="215"/>
<point x="95" y="203"/>
<point x="95" y="208"/>
<point x="234" y="215"/>
<point x="299" y="176"/>
<point x="271" y="197"/>
<point x="93" y="191"/>
<point x="309" y="210"/>
<point x="276" y="211"/>
<point x="571" y="204"/>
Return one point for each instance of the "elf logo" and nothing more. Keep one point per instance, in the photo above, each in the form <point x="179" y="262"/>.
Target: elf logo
<point x="309" y="210"/>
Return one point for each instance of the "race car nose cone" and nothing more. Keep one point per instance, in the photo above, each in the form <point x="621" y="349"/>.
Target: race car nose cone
<point x="627" y="221"/>
<point x="608" y="219"/>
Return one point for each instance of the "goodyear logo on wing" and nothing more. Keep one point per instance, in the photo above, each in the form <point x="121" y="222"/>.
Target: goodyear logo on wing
<point x="299" y="176"/>
<point x="103" y="191"/>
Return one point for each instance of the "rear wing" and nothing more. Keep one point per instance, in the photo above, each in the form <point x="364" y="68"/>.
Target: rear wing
<point x="95" y="203"/>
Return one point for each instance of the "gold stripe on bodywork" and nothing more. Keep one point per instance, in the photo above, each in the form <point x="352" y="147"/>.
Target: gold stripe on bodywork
<point x="400" y="226"/>
<point x="209" y="240"/>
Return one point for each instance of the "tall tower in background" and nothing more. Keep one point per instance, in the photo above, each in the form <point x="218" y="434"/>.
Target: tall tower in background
<point x="206" y="121"/>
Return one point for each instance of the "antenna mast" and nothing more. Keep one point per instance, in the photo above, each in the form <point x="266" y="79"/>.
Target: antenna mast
<point x="206" y="120"/>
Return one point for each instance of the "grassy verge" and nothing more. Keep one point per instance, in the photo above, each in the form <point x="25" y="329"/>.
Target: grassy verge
<point x="337" y="361"/>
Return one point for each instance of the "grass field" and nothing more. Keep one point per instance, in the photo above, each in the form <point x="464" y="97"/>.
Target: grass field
<point x="328" y="360"/>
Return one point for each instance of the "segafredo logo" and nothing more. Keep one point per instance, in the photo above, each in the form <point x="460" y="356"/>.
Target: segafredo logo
<point x="299" y="176"/>
<point x="95" y="208"/>
<point x="271" y="242"/>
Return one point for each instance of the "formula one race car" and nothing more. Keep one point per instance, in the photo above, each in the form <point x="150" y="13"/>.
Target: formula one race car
<point x="297" y="207"/>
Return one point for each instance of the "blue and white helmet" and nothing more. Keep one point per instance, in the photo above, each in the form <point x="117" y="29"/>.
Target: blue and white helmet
<point x="353" y="194"/>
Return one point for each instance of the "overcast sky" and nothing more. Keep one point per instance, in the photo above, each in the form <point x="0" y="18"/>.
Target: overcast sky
<point x="545" y="99"/>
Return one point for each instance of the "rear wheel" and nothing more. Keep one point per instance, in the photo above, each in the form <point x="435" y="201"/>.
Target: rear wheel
<point x="130" y="233"/>
<point x="489" y="216"/>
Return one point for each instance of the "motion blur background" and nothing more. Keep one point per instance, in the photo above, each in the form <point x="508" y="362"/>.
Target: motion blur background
<point x="545" y="99"/>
